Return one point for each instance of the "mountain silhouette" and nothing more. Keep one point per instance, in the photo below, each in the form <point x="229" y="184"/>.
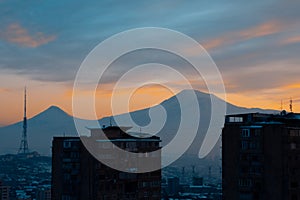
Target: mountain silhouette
<point x="55" y="122"/>
<point x="41" y="128"/>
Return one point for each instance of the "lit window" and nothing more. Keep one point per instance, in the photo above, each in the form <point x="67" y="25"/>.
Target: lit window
<point x="235" y="119"/>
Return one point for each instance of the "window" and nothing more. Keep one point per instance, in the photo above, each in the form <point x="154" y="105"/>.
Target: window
<point x="254" y="145"/>
<point x="245" y="145"/>
<point x="66" y="197"/>
<point x="246" y="196"/>
<point x="245" y="182"/>
<point x="257" y="132"/>
<point x="294" y="133"/>
<point x="245" y="133"/>
<point x="293" y="145"/>
<point x="67" y="144"/>
<point x="67" y="177"/>
<point x="235" y="119"/>
<point x="74" y="155"/>
<point x="131" y="145"/>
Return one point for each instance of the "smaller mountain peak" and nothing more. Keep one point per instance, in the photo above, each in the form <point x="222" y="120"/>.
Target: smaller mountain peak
<point x="51" y="113"/>
<point x="53" y="107"/>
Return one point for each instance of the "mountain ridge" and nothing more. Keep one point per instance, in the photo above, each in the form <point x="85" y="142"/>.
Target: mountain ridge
<point x="54" y="108"/>
<point x="54" y="121"/>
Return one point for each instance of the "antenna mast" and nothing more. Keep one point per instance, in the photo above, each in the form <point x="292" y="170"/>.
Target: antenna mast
<point x="291" y="104"/>
<point x="24" y="144"/>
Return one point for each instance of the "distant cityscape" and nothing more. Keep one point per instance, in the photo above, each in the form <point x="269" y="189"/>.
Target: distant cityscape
<point x="28" y="176"/>
<point x="25" y="176"/>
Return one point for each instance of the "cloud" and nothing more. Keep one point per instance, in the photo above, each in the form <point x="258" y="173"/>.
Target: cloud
<point x="291" y="40"/>
<point x="261" y="30"/>
<point x="262" y="77"/>
<point x="232" y="25"/>
<point x="211" y="44"/>
<point x="19" y="35"/>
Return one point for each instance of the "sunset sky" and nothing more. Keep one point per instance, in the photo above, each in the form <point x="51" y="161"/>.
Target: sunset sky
<point x="255" y="45"/>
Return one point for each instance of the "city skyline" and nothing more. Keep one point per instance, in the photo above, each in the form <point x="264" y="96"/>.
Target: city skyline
<point x="44" y="43"/>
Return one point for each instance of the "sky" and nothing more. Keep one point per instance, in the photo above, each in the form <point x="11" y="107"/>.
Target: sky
<point x="255" y="45"/>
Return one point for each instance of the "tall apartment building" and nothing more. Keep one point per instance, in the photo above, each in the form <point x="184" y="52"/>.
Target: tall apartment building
<point x="261" y="157"/>
<point x="76" y="174"/>
<point x="4" y="191"/>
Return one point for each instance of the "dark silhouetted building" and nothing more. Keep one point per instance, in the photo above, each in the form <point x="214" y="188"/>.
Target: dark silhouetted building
<point x="4" y="191"/>
<point x="261" y="157"/>
<point x="197" y="181"/>
<point x="76" y="174"/>
<point x="173" y="186"/>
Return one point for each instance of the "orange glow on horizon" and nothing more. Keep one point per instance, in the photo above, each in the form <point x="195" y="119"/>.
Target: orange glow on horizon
<point x="141" y="98"/>
<point x="42" y="97"/>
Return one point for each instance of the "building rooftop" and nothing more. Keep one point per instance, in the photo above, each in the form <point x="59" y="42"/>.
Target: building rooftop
<point x="115" y="133"/>
<point x="262" y="118"/>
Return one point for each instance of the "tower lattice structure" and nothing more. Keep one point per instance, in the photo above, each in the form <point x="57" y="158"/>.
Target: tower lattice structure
<point x="24" y="144"/>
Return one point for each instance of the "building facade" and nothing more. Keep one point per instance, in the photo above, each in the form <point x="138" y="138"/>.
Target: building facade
<point x="261" y="157"/>
<point x="4" y="191"/>
<point x="43" y="193"/>
<point x="76" y="174"/>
